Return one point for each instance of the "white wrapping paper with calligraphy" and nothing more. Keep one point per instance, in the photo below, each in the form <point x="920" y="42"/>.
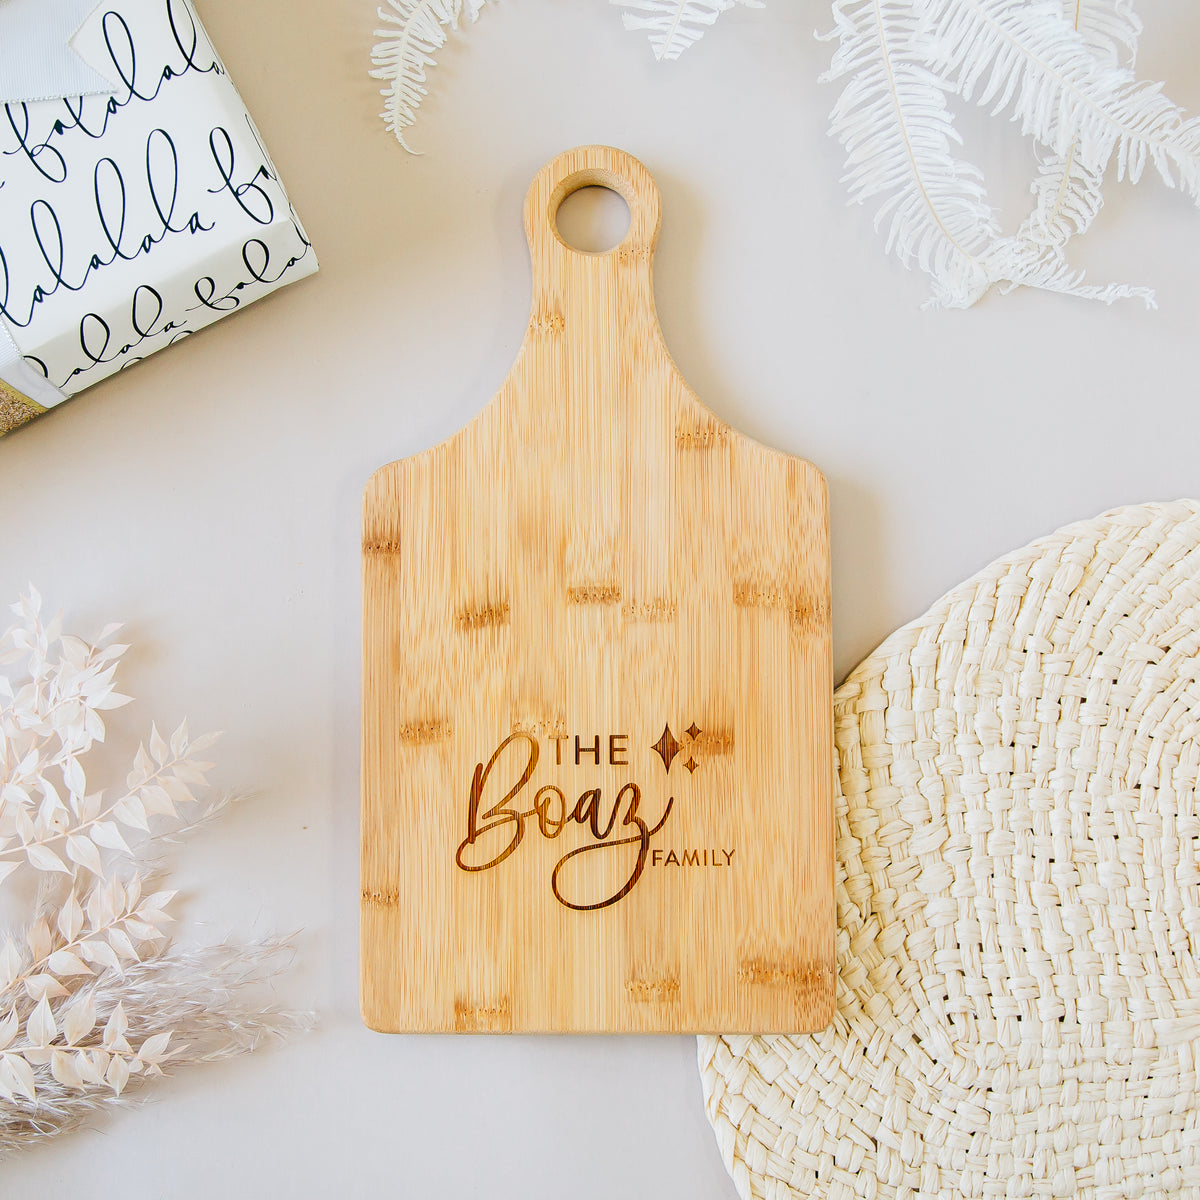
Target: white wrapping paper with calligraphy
<point x="130" y="220"/>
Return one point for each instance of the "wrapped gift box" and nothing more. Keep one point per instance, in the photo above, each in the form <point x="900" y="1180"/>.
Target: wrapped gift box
<point x="130" y="218"/>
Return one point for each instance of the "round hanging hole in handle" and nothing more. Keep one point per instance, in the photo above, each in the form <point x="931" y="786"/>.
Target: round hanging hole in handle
<point x="593" y="219"/>
<point x="592" y="167"/>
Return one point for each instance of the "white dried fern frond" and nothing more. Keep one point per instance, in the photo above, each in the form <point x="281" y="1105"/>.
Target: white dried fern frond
<point x="1062" y="68"/>
<point x="898" y="133"/>
<point x="1026" y="58"/>
<point x="1068" y="193"/>
<point x="1110" y="28"/>
<point x="1069" y="87"/>
<point x="416" y="30"/>
<point x="94" y="997"/>
<point x="1068" y="197"/>
<point x="1013" y="262"/>
<point x="674" y="25"/>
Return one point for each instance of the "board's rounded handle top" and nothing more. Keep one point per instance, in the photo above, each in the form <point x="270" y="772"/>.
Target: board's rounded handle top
<point x="592" y="166"/>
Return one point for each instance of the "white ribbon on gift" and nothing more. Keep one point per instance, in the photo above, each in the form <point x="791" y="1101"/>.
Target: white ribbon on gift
<point x="36" y="58"/>
<point x="17" y="373"/>
<point x="37" y="62"/>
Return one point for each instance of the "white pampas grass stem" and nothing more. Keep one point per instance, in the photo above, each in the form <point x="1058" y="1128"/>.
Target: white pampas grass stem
<point x="95" y="999"/>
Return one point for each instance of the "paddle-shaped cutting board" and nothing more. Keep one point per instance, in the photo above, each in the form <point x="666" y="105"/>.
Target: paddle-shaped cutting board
<point x="597" y="743"/>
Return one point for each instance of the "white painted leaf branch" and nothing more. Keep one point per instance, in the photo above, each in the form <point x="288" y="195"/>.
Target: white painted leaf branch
<point x="94" y="997"/>
<point x="1062" y="68"/>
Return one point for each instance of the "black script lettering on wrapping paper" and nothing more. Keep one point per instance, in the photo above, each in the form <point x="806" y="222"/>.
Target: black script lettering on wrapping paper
<point x="92" y="215"/>
<point x="497" y="826"/>
<point x="91" y="115"/>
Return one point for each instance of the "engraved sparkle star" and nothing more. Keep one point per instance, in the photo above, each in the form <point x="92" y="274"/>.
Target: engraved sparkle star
<point x="667" y="747"/>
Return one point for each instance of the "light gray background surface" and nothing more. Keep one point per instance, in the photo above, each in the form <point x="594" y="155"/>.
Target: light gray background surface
<point x="210" y="498"/>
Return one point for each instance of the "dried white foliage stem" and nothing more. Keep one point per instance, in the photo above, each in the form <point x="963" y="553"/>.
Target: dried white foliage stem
<point x="1068" y="193"/>
<point x="415" y="30"/>
<point x="899" y="136"/>
<point x="674" y="25"/>
<point x="94" y="997"/>
<point x="1062" y="68"/>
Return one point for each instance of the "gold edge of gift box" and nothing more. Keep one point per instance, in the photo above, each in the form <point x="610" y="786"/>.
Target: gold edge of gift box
<point x="16" y="408"/>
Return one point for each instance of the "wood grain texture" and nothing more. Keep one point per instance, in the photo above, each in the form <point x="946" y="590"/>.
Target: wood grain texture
<point x="597" y="741"/>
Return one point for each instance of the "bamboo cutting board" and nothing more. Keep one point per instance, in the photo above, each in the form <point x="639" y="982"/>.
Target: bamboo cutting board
<point x="597" y="741"/>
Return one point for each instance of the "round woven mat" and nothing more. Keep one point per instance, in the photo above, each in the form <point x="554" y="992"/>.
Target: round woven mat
<point x="1017" y="893"/>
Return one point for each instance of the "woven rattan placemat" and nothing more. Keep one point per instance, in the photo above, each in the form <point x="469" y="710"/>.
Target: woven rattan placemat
<point x="1018" y="900"/>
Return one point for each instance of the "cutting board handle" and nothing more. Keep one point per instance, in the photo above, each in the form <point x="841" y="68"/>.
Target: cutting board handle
<point x="555" y="263"/>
